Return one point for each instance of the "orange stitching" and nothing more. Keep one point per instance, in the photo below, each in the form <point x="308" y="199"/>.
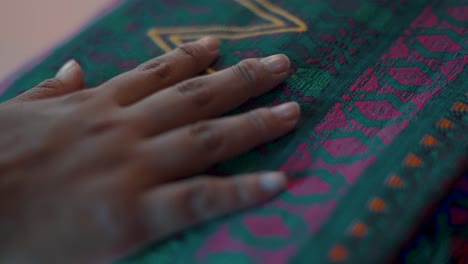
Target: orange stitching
<point x="444" y="123"/>
<point x="359" y="230"/>
<point x="377" y="205"/>
<point x="413" y="161"/>
<point x="429" y="141"/>
<point x="338" y="254"/>
<point x="395" y="182"/>
<point x="460" y="107"/>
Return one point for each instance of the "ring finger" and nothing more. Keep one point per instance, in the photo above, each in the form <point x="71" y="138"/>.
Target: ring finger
<point x="208" y="96"/>
<point x="202" y="145"/>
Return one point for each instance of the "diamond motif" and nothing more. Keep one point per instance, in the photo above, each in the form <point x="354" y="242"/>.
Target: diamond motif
<point x="378" y="110"/>
<point x="410" y="76"/>
<point x="440" y="43"/>
<point x="266" y="226"/>
<point x="459" y="13"/>
<point x="344" y="147"/>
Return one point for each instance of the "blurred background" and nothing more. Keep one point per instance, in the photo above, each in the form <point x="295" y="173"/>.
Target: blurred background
<point x="28" y="28"/>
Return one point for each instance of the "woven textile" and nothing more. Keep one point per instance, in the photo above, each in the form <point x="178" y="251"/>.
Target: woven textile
<point x="384" y="90"/>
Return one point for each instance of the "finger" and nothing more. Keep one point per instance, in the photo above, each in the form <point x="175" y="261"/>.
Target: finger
<point x="202" y="145"/>
<point x="68" y="79"/>
<point x="208" y="96"/>
<point x="184" y="62"/>
<point x="175" y="207"/>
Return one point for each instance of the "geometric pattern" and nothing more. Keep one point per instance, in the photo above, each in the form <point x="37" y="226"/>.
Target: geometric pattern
<point x="405" y="53"/>
<point x="278" y="21"/>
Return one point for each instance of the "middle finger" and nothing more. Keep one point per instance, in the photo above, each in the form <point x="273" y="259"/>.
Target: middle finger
<point x="208" y="96"/>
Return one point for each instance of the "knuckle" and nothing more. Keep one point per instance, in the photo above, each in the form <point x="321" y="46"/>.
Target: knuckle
<point x="206" y="136"/>
<point x="241" y="193"/>
<point x="201" y="200"/>
<point x="78" y="97"/>
<point x="258" y="119"/>
<point x="196" y="91"/>
<point x="53" y="83"/>
<point x="190" y="50"/>
<point x="119" y="224"/>
<point x="157" y="68"/>
<point x="105" y="124"/>
<point x="248" y="71"/>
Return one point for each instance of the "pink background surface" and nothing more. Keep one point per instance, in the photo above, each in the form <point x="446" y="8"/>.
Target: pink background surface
<point x="28" y="28"/>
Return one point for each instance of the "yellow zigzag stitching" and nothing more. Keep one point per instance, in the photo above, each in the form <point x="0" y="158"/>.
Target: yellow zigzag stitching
<point x="275" y="16"/>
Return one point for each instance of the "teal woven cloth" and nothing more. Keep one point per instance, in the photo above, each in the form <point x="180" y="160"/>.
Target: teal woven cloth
<point x="383" y="86"/>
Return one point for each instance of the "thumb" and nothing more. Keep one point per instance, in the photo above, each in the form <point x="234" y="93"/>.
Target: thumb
<point x="71" y="75"/>
<point x="68" y="79"/>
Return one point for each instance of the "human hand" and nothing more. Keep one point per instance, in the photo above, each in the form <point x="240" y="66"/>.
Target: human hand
<point x="92" y="175"/>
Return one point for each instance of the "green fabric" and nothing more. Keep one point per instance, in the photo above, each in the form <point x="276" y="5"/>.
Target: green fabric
<point x="383" y="89"/>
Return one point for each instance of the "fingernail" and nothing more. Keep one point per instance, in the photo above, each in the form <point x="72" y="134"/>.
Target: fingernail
<point x="276" y="63"/>
<point x="288" y="111"/>
<point x="64" y="72"/>
<point x="273" y="181"/>
<point x="211" y="43"/>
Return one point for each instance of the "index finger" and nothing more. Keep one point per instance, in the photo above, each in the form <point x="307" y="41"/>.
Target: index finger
<point x="178" y="65"/>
